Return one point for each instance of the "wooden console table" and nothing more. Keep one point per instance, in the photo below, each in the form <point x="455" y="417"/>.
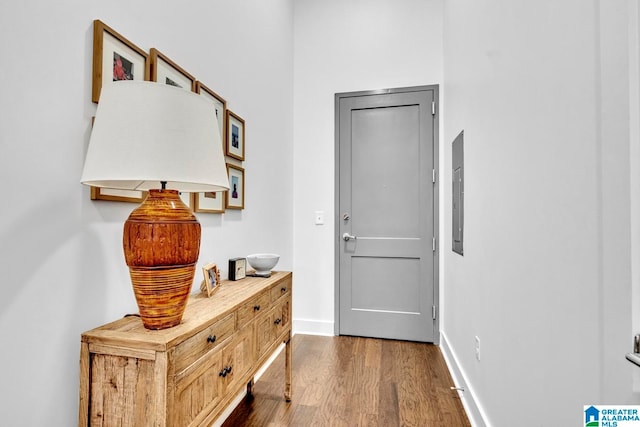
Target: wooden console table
<point x="186" y="375"/>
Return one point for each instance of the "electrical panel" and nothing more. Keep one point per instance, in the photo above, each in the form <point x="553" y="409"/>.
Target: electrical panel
<point x="458" y="194"/>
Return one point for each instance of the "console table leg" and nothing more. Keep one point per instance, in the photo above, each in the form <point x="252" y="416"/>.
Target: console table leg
<point x="287" y="370"/>
<point x="250" y="388"/>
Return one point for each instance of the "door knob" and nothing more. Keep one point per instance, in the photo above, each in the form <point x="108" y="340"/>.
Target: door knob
<point x="347" y="237"/>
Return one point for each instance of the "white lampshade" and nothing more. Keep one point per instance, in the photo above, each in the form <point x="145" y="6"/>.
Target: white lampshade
<point x="146" y="132"/>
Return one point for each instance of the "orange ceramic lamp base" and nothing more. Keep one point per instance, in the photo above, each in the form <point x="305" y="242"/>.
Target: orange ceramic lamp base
<point x="161" y="246"/>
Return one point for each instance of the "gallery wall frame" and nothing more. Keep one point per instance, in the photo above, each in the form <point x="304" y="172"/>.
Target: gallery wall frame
<point x="210" y="202"/>
<point x="235" y="140"/>
<point x="187" y="198"/>
<point x="115" y="195"/>
<point x="220" y="106"/>
<point x="235" y="195"/>
<point x="99" y="193"/>
<point x="115" y="56"/>
<point x="164" y="70"/>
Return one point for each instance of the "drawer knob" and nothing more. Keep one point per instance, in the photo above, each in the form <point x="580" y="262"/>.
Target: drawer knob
<point x="277" y="321"/>
<point x="211" y="338"/>
<point x="283" y="289"/>
<point x="225" y="371"/>
<point x="256" y="307"/>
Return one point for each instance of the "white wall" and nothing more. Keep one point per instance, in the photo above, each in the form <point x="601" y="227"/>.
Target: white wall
<point x="540" y="88"/>
<point x="63" y="271"/>
<point x="344" y="46"/>
<point x="634" y="151"/>
<point x="541" y="91"/>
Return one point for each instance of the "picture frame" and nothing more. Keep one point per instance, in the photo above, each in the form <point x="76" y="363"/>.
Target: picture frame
<point x="212" y="202"/>
<point x="234" y="141"/>
<point x="187" y="198"/>
<point x="235" y="195"/>
<point x="211" y="282"/>
<point x="115" y="55"/>
<point x="220" y="107"/>
<point x="116" y="195"/>
<point x="209" y="202"/>
<point x="164" y="70"/>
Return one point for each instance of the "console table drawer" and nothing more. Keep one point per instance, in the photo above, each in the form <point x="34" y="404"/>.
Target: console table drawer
<point x="193" y="348"/>
<point x="281" y="290"/>
<point x="253" y="308"/>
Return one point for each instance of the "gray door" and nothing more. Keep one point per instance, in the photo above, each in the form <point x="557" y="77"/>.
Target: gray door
<point x="386" y="169"/>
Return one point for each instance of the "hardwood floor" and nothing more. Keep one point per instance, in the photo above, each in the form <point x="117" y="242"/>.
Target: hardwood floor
<point x="350" y="381"/>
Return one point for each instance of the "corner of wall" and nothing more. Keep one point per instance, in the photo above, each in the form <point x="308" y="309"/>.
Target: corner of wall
<point x="472" y="407"/>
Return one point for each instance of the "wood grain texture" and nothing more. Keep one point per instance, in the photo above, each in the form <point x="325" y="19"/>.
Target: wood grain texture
<point x="349" y="381"/>
<point x="161" y="231"/>
<point x="161" y="242"/>
<point x="201" y="312"/>
<point x="183" y="376"/>
<point x="83" y="413"/>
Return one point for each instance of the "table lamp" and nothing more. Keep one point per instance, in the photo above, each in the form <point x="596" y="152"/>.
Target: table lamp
<point x="154" y="137"/>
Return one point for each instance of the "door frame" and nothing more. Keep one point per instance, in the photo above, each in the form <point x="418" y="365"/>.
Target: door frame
<point x="436" y="198"/>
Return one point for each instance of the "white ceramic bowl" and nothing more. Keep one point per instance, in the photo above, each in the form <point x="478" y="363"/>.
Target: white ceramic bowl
<point x="263" y="263"/>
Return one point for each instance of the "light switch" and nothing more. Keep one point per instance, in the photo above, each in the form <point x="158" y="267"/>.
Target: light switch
<point x="319" y="217"/>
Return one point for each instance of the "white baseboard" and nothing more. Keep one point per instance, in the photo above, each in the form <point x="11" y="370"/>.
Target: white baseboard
<point x="313" y="327"/>
<point x="223" y="417"/>
<point x="475" y="413"/>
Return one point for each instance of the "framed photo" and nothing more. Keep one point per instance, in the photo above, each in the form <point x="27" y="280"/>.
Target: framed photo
<point x="235" y="136"/>
<point x="115" y="195"/>
<point x="164" y="70"/>
<point x="115" y="58"/>
<point x="220" y="106"/>
<point x="235" y="195"/>
<point x="187" y="199"/>
<point x="211" y="281"/>
<point x="210" y="202"/>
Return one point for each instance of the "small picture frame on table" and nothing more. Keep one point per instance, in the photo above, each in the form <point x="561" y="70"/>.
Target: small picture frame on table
<point x="235" y="194"/>
<point x="234" y="136"/>
<point x="211" y="282"/>
<point x="115" y="58"/>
